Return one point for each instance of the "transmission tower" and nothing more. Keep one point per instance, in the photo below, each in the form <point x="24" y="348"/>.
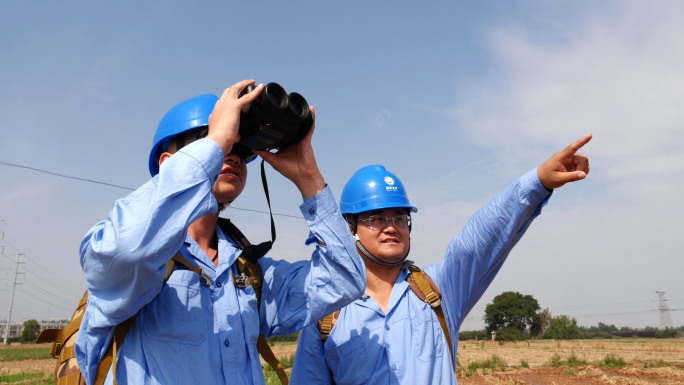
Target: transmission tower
<point x="665" y="321"/>
<point x="9" y="316"/>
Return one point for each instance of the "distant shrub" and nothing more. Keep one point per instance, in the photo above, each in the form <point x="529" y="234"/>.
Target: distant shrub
<point x="667" y="333"/>
<point x="474" y="335"/>
<point x="287" y="338"/>
<point x="510" y="334"/>
<point x="613" y="361"/>
<point x="555" y="360"/>
<point x="573" y="360"/>
<point x="656" y="363"/>
<point x="494" y="362"/>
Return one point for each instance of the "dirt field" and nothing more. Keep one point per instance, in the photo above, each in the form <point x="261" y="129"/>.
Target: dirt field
<point x="12" y="367"/>
<point x="643" y="357"/>
<point x="649" y="362"/>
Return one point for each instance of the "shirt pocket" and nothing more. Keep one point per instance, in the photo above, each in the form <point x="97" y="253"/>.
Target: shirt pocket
<point x="349" y="363"/>
<point x="428" y="338"/>
<point x="177" y="315"/>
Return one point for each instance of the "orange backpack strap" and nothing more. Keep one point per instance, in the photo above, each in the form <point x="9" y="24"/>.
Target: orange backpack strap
<point x="206" y="278"/>
<point x="423" y="286"/>
<point x="67" y="371"/>
<point x="268" y="356"/>
<point x="326" y="324"/>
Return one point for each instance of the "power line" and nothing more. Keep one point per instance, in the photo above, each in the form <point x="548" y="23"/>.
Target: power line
<point x="66" y="176"/>
<point x="125" y="187"/>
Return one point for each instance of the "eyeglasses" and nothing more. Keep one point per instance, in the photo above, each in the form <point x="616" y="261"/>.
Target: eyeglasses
<point x="378" y="221"/>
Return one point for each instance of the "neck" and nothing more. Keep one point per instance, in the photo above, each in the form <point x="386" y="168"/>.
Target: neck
<point x="203" y="231"/>
<point x="380" y="281"/>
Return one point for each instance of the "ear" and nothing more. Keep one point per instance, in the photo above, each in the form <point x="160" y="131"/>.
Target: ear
<point x="164" y="156"/>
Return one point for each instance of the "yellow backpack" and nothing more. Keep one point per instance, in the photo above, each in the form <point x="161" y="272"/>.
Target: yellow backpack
<point x="67" y="371"/>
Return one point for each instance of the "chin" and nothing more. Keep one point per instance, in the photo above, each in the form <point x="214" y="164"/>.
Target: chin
<point x="226" y="197"/>
<point x="227" y="192"/>
<point x="393" y="257"/>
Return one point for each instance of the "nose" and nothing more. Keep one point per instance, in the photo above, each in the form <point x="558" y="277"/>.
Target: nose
<point x="389" y="227"/>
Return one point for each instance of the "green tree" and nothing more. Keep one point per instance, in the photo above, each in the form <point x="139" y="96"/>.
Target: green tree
<point x="512" y="309"/>
<point x="564" y="328"/>
<point x="509" y="333"/>
<point x="30" y="331"/>
<point x="538" y="328"/>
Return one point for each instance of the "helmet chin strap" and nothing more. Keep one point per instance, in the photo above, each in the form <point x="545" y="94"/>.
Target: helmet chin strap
<point x="375" y="259"/>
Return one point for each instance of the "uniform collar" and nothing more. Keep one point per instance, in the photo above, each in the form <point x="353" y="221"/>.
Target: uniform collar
<point x="398" y="291"/>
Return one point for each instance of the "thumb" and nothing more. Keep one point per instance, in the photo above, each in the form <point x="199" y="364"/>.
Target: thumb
<point x="577" y="175"/>
<point x="568" y="177"/>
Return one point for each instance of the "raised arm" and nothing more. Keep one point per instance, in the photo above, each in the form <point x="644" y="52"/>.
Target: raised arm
<point x="475" y="256"/>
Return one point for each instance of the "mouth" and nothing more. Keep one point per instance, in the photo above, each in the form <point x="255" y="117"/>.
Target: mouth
<point x="390" y="240"/>
<point x="230" y="172"/>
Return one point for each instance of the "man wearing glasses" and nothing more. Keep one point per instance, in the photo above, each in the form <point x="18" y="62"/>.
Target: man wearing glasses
<point x="398" y="334"/>
<point x="196" y="329"/>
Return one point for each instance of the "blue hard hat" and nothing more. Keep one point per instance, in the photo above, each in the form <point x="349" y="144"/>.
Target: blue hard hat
<point x="184" y="116"/>
<point x="373" y="188"/>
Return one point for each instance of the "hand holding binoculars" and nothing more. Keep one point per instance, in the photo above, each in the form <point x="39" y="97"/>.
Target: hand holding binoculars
<point x="273" y="120"/>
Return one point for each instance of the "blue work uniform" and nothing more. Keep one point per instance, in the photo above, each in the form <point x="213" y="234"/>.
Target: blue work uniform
<point x="187" y="332"/>
<point x="406" y="345"/>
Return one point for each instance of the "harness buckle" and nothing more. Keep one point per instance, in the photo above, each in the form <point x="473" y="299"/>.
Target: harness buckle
<point x="55" y="348"/>
<point x="205" y="277"/>
<point x="242" y="281"/>
<point x="433" y="299"/>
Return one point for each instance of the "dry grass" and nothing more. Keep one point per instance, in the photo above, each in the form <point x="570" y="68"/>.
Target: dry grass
<point x="539" y="352"/>
<point x="636" y="361"/>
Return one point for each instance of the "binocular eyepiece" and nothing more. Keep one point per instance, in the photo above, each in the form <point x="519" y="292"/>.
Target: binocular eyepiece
<point x="273" y="120"/>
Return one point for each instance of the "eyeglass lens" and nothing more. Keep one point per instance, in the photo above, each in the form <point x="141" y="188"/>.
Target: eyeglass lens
<point x="380" y="221"/>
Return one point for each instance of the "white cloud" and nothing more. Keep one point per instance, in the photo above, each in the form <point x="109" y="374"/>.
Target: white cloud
<point x="617" y="75"/>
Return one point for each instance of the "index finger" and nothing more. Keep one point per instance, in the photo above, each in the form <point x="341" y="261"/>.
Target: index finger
<point x="574" y="147"/>
<point x="237" y="87"/>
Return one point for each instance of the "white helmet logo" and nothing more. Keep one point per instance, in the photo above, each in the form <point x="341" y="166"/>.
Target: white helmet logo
<point x="390" y="184"/>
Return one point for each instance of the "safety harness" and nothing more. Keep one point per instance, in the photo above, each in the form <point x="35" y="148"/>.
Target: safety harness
<point x="67" y="371"/>
<point x="424" y="288"/>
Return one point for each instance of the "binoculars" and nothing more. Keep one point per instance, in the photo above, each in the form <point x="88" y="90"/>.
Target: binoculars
<point x="273" y="120"/>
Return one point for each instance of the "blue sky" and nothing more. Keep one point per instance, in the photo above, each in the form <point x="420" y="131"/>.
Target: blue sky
<point x="456" y="98"/>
